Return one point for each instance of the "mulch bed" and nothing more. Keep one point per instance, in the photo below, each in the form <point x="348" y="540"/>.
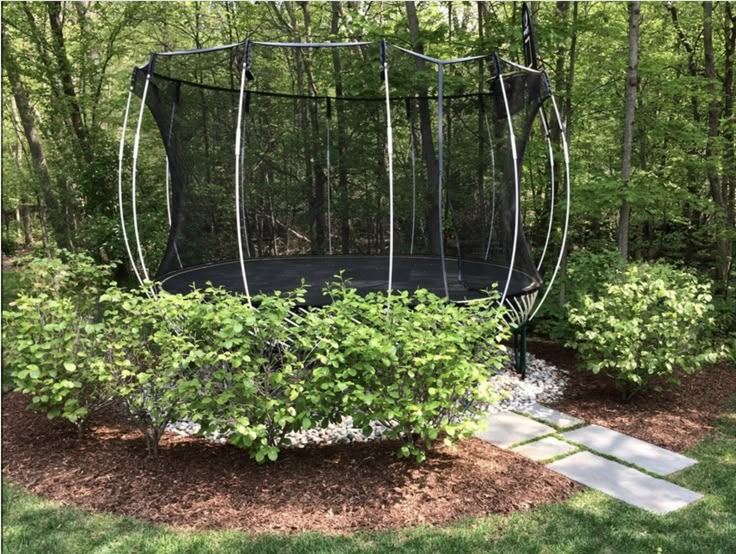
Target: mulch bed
<point x="675" y="418"/>
<point x="331" y="489"/>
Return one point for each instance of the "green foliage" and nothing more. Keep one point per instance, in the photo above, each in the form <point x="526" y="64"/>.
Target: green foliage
<point x="147" y="356"/>
<point x="55" y="356"/>
<point x="9" y="245"/>
<point x="650" y="323"/>
<point x="71" y="275"/>
<point x="587" y="274"/>
<point x="53" y="342"/>
<point x="250" y="373"/>
<point x="415" y="363"/>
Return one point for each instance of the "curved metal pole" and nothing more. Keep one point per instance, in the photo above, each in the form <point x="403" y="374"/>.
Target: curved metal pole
<point x="440" y="169"/>
<point x="242" y="187"/>
<point x="566" y="154"/>
<point x="551" y="159"/>
<point x="329" y="193"/>
<point x="136" y="146"/>
<point x="493" y="183"/>
<point x="238" y="139"/>
<point x="390" y="153"/>
<point x="121" y="153"/>
<point x="168" y="181"/>
<point x="517" y="202"/>
<point x="413" y="157"/>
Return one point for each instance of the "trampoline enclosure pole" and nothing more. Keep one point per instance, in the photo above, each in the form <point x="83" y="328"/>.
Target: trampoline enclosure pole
<point x="390" y="154"/>
<point x="512" y="143"/>
<point x="440" y="169"/>
<point x="238" y="138"/>
<point x="551" y="159"/>
<point x="121" y="153"/>
<point x="136" y="146"/>
<point x="566" y="154"/>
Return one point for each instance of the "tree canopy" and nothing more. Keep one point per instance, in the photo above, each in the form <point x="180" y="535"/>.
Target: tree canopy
<point x="66" y="70"/>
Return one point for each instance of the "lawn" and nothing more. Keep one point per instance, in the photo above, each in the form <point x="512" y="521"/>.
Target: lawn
<point x="590" y="522"/>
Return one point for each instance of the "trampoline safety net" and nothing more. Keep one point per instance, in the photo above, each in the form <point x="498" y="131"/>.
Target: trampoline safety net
<point x="279" y="153"/>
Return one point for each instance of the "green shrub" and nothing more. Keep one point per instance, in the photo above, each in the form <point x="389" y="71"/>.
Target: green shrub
<point x="55" y="355"/>
<point x="74" y="276"/>
<point x="650" y="324"/>
<point x="53" y="340"/>
<point x="9" y="245"/>
<point x="588" y="273"/>
<point x="148" y="356"/>
<point x="250" y="374"/>
<point x="420" y="368"/>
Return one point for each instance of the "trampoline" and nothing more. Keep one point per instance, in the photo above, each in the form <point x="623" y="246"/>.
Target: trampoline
<point x="256" y="165"/>
<point x="365" y="273"/>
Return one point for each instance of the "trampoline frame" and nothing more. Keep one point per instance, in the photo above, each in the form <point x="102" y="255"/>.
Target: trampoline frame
<point x="522" y="309"/>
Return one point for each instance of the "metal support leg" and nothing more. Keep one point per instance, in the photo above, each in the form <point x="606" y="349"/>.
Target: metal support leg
<point x="520" y="349"/>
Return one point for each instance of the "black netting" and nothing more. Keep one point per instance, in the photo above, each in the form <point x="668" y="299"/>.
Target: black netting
<point x="314" y="181"/>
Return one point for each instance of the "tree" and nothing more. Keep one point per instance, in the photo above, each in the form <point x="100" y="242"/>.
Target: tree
<point x="28" y="121"/>
<point x="632" y="79"/>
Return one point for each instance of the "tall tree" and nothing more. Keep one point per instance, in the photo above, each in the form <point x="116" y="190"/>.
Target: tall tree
<point x="711" y="150"/>
<point x="632" y="77"/>
<point x="28" y="122"/>
<point x="67" y="82"/>
<point x="425" y="128"/>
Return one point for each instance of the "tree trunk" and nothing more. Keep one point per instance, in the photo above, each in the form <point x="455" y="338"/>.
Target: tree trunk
<point x="425" y="129"/>
<point x="67" y="84"/>
<point x="729" y="154"/>
<point x="320" y="179"/>
<point x="344" y="207"/>
<point x="629" y="112"/>
<point x="38" y="159"/>
<point x="723" y="247"/>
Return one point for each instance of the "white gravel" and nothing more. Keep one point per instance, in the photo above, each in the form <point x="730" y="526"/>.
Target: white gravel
<point x="544" y="383"/>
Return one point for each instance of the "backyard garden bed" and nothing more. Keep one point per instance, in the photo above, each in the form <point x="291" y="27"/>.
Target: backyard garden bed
<point x="675" y="418"/>
<point x="201" y="485"/>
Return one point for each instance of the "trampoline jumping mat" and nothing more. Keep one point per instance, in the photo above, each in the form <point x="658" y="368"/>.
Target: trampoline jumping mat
<point x="465" y="281"/>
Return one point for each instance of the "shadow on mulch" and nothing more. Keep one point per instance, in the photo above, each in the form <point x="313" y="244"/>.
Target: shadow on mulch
<point x="675" y="418"/>
<point x="331" y="489"/>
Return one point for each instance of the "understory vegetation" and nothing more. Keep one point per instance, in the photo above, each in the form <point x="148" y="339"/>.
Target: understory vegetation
<point x="642" y="324"/>
<point x="414" y="363"/>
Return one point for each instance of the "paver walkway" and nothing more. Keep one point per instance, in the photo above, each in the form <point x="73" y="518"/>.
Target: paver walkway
<point x="506" y="429"/>
<point x="535" y="440"/>
<point x="643" y="454"/>
<point x="553" y="417"/>
<point x="544" y="449"/>
<point x="625" y="483"/>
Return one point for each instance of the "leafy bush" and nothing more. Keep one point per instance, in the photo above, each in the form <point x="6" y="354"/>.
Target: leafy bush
<point x="9" y="245"/>
<point x="419" y="368"/>
<point x="588" y="273"/>
<point x="148" y="356"/>
<point x="251" y="373"/>
<point x="53" y="339"/>
<point x="415" y="363"/>
<point x="74" y="276"/>
<point x="649" y="325"/>
<point x="55" y="356"/>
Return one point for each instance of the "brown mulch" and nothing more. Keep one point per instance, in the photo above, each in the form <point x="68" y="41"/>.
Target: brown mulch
<point x="331" y="489"/>
<point x="675" y="418"/>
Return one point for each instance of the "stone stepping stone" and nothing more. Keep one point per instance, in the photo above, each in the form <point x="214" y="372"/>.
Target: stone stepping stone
<point x="506" y="429"/>
<point x="553" y="417"/>
<point x="543" y="449"/>
<point x="634" y="451"/>
<point x="625" y="483"/>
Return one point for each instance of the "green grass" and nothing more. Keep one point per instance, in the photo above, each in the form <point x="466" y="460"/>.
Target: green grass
<point x="589" y="522"/>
